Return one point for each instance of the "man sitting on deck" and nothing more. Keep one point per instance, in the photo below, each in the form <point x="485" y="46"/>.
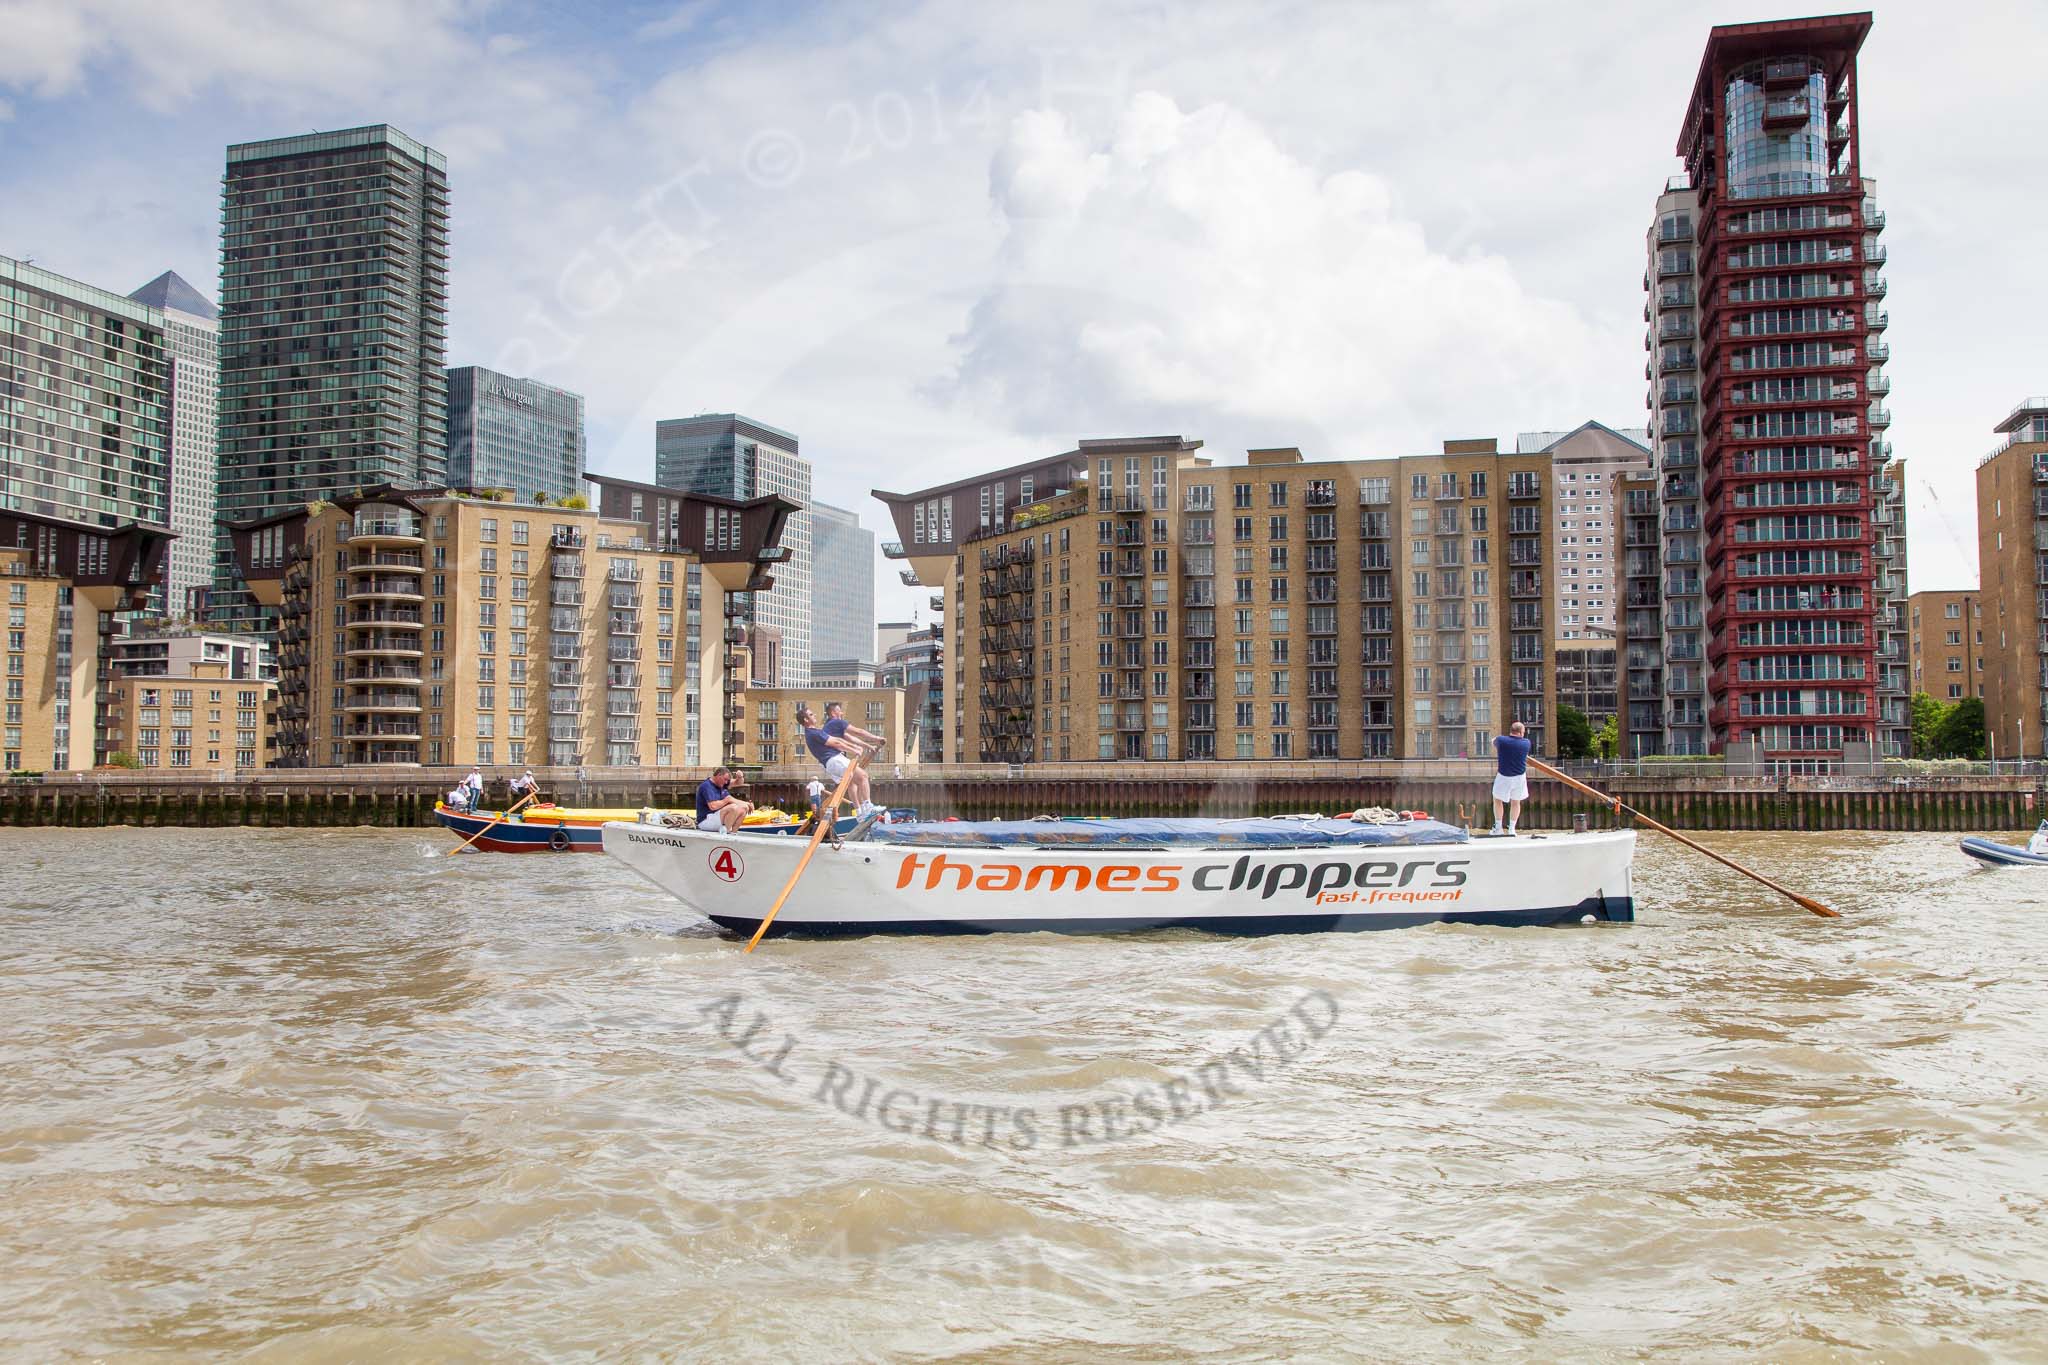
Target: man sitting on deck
<point x="1511" y="777"/>
<point x="717" y="809"/>
<point x="526" y="784"/>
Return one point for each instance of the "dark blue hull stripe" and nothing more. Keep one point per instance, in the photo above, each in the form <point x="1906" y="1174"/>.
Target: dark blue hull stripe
<point x="2001" y="855"/>
<point x="1614" y="909"/>
<point x="509" y="836"/>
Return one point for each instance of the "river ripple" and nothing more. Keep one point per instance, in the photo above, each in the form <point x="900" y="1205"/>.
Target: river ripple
<point x="329" y="1095"/>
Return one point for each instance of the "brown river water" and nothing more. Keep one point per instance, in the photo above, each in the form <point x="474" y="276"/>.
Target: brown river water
<point x="329" y="1095"/>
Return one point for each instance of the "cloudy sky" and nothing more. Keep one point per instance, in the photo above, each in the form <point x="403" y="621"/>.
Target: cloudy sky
<point x="930" y="238"/>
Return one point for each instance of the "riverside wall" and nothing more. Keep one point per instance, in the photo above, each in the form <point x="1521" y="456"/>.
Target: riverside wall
<point x="405" y="798"/>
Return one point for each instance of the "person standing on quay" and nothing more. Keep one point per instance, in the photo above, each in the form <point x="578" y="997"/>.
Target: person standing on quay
<point x="1511" y="775"/>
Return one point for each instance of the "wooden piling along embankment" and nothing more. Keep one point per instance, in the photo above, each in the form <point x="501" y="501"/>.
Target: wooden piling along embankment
<point x="345" y="797"/>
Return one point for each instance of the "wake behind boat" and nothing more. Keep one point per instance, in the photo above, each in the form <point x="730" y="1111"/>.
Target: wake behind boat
<point x="1107" y="876"/>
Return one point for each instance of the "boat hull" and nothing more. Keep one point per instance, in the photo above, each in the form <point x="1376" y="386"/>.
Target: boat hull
<point x="2001" y="855"/>
<point x="520" y="836"/>
<point x="869" y="888"/>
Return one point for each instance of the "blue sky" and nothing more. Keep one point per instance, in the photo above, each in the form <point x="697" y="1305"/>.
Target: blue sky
<point x="931" y="237"/>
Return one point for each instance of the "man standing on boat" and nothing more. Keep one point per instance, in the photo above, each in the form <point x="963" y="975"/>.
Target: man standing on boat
<point x="474" y="785"/>
<point x="837" y="725"/>
<point x="1511" y="775"/>
<point x="718" y="810"/>
<point x="835" y="753"/>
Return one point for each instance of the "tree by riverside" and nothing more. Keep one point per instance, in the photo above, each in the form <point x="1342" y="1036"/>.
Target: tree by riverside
<point x="1928" y="714"/>
<point x="1574" y="732"/>
<point x="1962" y="730"/>
<point x="1607" y="739"/>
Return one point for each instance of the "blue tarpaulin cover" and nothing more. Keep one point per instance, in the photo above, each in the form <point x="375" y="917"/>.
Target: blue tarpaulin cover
<point x="1258" y="833"/>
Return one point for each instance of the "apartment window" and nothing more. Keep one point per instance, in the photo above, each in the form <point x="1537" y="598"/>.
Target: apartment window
<point x="1276" y="559"/>
<point x="1276" y="528"/>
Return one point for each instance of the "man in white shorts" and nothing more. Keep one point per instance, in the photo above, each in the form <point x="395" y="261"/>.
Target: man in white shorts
<point x="717" y="809"/>
<point x="836" y="752"/>
<point x="1511" y="774"/>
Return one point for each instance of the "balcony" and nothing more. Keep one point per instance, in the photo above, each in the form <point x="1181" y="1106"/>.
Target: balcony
<point x="366" y="645"/>
<point x="387" y="530"/>
<point x="382" y="701"/>
<point x="382" y="729"/>
<point x="402" y="617"/>
<point x="1322" y="495"/>
<point x="566" y="538"/>
<point x="566" y="566"/>
<point x="398" y="589"/>
<point x="1786" y="114"/>
<point x="384" y="673"/>
<point x="387" y="559"/>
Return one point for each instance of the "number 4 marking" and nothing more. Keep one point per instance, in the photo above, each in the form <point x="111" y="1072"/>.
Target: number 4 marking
<point x="726" y="865"/>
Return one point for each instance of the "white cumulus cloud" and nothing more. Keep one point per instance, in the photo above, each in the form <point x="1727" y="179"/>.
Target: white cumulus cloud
<point x="1188" y="270"/>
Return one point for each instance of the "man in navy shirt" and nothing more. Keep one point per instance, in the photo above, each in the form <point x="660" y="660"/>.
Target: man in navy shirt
<point x="1511" y="780"/>
<point x="835" y="752"/>
<point x="717" y="809"/>
<point x="838" y="727"/>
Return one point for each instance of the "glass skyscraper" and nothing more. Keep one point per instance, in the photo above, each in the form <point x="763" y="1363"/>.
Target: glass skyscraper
<point x="192" y="347"/>
<point x="334" y="322"/>
<point x="842" y="586"/>
<point x="737" y="457"/>
<point x="82" y="401"/>
<point x="517" y="434"/>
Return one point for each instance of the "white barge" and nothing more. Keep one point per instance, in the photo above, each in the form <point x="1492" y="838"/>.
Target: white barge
<point x="1108" y="876"/>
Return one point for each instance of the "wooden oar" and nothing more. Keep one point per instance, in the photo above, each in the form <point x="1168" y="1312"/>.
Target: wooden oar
<point x="1803" y="902"/>
<point x="830" y="822"/>
<point x="493" y="825"/>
